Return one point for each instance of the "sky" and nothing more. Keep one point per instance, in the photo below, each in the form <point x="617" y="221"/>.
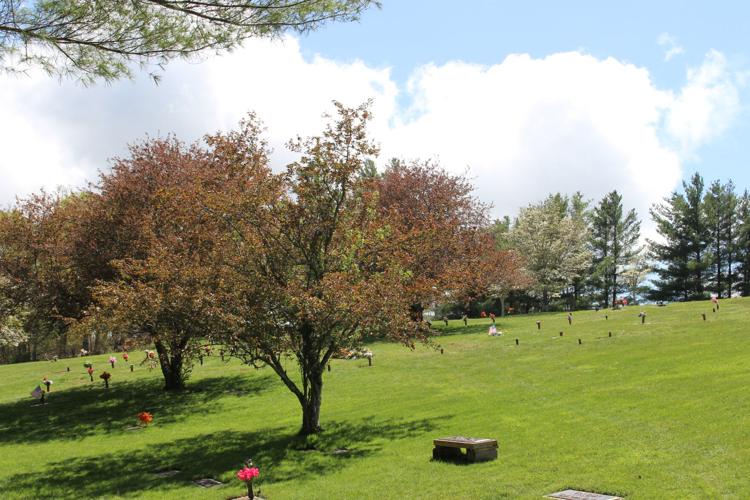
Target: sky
<point x="525" y="98"/>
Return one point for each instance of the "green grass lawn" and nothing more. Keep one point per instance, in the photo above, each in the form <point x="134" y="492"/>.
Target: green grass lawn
<point x="658" y="410"/>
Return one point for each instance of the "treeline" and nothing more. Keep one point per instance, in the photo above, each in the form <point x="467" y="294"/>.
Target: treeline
<point x="705" y="245"/>
<point x="576" y="254"/>
<point x="580" y="254"/>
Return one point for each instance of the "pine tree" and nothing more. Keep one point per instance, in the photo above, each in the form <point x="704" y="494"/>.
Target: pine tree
<point x="743" y="243"/>
<point x="720" y="203"/>
<point x="680" y="222"/>
<point x="614" y="242"/>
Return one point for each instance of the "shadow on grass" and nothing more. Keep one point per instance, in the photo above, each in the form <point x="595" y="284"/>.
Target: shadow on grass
<point x="216" y="455"/>
<point x="449" y="331"/>
<point x="90" y="410"/>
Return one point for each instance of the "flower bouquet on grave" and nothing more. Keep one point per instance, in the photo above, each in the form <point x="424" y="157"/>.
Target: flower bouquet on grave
<point x="112" y="361"/>
<point x="125" y="356"/>
<point x="90" y="371"/>
<point x="105" y="376"/>
<point x="246" y="474"/>
<point x="47" y="382"/>
<point x="145" y="418"/>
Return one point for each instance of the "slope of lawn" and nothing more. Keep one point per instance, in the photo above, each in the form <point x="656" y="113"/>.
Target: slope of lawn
<point x="659" y="410"/>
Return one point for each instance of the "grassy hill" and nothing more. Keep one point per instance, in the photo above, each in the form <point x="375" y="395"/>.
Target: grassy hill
<point x="659" y="410"/>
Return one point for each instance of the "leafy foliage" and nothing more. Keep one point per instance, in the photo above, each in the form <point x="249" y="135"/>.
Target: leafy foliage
<point x="93" y="39"/>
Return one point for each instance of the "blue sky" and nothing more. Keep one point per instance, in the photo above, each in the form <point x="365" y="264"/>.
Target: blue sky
<point x="526" y="98"/>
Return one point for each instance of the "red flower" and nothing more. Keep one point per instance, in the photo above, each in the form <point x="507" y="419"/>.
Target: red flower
<point x="145" y="417"/>
<point x="248" y="473"/>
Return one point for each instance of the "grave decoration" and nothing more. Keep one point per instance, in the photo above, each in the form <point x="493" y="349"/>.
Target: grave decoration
<point x="47" y="382"/>
<point x="145" y="418"/>
<point x="246" y="474"/>
<point x="105" y="376"/>
<point x="112" y="361"/>
<point x="90" y="371"/>
<point x="149" y="360"/>
<point x="354" y="353"/>
<point x="38" y="393"/>
<point x="125" y="356"/>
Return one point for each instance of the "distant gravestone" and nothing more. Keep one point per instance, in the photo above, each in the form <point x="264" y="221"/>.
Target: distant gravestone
<point x="581" y="495"/>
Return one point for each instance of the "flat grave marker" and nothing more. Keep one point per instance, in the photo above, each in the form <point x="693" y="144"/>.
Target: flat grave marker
<point x="581" y="495"/>
<point x="208" y="483"/>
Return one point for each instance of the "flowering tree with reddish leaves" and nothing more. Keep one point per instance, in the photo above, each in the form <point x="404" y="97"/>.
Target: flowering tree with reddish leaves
<point x="165" y="287"/>
<point x="316" y="265"/>
<point x="448" y="224"/>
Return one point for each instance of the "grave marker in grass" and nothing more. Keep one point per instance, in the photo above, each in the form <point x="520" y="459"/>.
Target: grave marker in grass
<point x="581" y="495"/>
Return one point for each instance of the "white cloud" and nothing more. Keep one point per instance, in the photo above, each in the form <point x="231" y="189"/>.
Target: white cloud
<point x="524" y="127"/>
<point x="706" y="106"/>
<point x="671" y="47"/>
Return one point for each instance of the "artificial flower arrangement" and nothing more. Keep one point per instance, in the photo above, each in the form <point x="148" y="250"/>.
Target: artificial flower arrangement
<point x="246" y="474"/>
<point x="105" y="376"/>
<point x="90" y="371"/>
<point x="112" y="361"/>
<point x="145" y="418"/>
<point x="47" y="382"/>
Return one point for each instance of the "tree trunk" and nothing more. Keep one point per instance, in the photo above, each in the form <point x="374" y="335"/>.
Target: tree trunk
<point x="171" y="361"/>
<point x="614" y="288"/>
<point x="311" y="404"/>
<point x="718" y="266"/>
<point x="416" y="312"/>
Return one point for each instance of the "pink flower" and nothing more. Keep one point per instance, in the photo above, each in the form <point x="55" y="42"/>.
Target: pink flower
<point x="248" y="473"/>
<point x="112" y="359"/>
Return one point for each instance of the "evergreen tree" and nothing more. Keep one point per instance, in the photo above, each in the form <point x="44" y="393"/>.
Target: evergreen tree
<point x="614" y="243"/>
<point x="720" y="203"/>
<point x="743" y="244"/>
<point x="680" y="222"/>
